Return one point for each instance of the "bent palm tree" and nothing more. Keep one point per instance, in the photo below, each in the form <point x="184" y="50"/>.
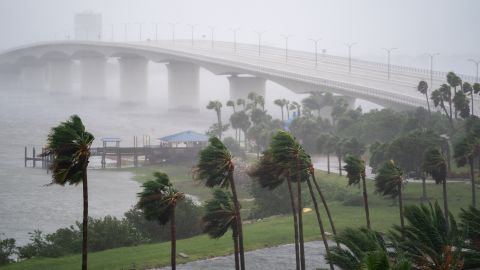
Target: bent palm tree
<point x="280" y="103"/>
<point x="465" y="152"/>
<point x="217" y="107"/>
<point x="158" y="201"/>
<point x="69" y="144"/>
<point x="220" y="215"/>
<point x="435" y="164"/>
<point x="355" y="169"/>
<point x="231" y="103"/>
<point x="422" y="87"/>
<point x="389" y="182"/>
<point x="215" y="167"/>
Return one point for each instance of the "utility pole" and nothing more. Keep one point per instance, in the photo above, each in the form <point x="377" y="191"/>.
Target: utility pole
<point x="388" y="60"/>
<point x="315" y="41"/>
<point x="286" y="37"/>
<point x="350" y="45"/>
<point x="260" y="33"/>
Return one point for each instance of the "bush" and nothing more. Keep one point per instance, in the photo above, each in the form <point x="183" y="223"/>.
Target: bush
<point x="7" y="250"/>
<point x="270" y="202"/>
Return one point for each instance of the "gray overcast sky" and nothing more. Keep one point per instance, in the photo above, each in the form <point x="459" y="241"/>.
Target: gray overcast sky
<point x="451" y="27"/>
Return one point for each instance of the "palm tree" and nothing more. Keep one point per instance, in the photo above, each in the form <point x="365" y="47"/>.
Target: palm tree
<point x="465" y="151"/>
<point x="230" y="103"/>
<point x="244" y="124"/>
<point x="435" y="164"/>
<point x="215" y="167"/>
<point x="217" y="107"/>
<point x="442" y="96"/>
<point x="69" y="144"/>
<point x="355" y="168"/>
<point x="364" y="249"/>
<point x="470" y="225"/>
<point x="281" y="103"/>
<point x="429" y="240"/>
<point x="326" y="145"/>
<point x="296" y="106"/>
<point x="389" y="182"/>
<point x="339" y="151"/>
<point x="158" y="201"/>
<point x="241" y="101"/>
<point x="461" y="104"/>
<point x="467" y="88"/>
<point x="423" y="88"/>
<point x="235" y="119"/>
<point x="453" y="80"/>
<point x="220" y="216"/>
<point x="476" y="90"/>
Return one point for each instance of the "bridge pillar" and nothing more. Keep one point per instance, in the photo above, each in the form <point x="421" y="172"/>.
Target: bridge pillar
<point x="32" y="77"/>
<point x="60" y="75"/>
<point x="240" y="87"/>
<point x="93" y="77"/>
<point x="9" y="76"/>
<point x="133" y="78"/>
<point x="183" y="86"/>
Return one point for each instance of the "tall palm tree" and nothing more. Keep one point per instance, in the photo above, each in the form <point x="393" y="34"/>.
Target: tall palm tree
<point x="453" y="80"/>
<point x="468" y="89"/>
<point x="217" y="107"/>
<point x="215" y="168"/>
<point x="442" y="96"/>
<point x="325" y="145"/>
<point x="435" y="164"/>
<point x="69" y="144"/>
<point x="476" y="90"/>
<point x="339" y="150"/>
<point x="422" y="87"/>
<point x="231" y="103"/>
<point x="355" y="168"/>
<point x="389" y="182"/>
<point x="220" y="215"/>
<point x="244" y="124"/>
<point x="465" y="151"/>
<point x="241" y="101"/>
<point x="158" y="201"/>
<point x="281" y="103"/>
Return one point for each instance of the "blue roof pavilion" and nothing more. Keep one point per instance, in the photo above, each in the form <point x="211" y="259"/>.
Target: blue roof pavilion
<point x="184" y="139"/>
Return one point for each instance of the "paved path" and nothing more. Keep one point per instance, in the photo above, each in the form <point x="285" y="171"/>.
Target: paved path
<point x="274" y="258"/>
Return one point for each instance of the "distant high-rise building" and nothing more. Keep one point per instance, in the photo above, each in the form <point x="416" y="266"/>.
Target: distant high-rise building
<point x="88" y="26"/>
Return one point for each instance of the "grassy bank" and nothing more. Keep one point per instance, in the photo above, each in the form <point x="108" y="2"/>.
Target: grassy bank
<point x="267" y="232"/>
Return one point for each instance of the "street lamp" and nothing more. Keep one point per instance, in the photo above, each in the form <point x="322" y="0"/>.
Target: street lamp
<point x="235" y="30"/>
<point x="476" y="62"/>
<point x="156" y="31"/>
<point x="432" y="55"/>
<point x="140" y="30"/>
<point x="212" y="29"/>
<point x="286" y="37"/>
<point x="260" y="33"/>
<point x="125" y="29"/>
<point x="389" y="50"/>
<point x="315" y="41"/>
<point x="173" y="24"/>
<point x="112" y="32"/>
<point x="350" y="45"/>
<point x="192" y="26"/>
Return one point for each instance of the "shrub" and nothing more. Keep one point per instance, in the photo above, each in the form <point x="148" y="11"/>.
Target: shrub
<point x="7" y="249"/>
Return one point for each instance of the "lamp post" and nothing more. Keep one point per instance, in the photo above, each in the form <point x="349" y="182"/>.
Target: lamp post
<point x="286" y="37"/>
<point x="112" y="32"/>
<point x="432" y="55"/>
<point x="350" y="45"/>
<point x="125" y="34"/>
<point x="260" y="33"/>
<point x="192" y="27"/>
<point x="476" y="62"/>
<point x="389" y="51"/>
<point x="212" y="30"/>
<point x="156" y="31"/>
<point x="173" y="24"/>
<point x="140" y="31"/>
<point x="235" y="30"/>
<point x="315" y="41"/>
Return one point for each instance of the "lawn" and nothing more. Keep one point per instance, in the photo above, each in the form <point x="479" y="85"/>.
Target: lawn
<point x="263" y="233"/>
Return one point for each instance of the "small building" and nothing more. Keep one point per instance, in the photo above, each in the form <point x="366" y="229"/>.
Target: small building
<point x="181" y="147"/>
<point x="186" y="139"/>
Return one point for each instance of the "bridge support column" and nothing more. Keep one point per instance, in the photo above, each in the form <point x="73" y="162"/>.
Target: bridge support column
<point x="60" y="76"/>
<point x="92" y="77"/>
<point x="9" y="77"/>
<point x="183" y="86"/>
<point x="133" y="79"/>
<point x="32" y="77"/>
<point x="240" y="87"/>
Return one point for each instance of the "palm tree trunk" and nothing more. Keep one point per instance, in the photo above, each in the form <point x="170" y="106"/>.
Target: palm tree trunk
<point x="239" y="219"/>
<point x="85" y="221"/>
<point x="282" y="113"/>
<point x="300" y="218"/>
<point x="235" y="248"/>
<point x="471" y="96"/>
<point x="445" y="199"/>
<point x="400" y="205"/>
<point x="325" y="205"/>
<point x="328" y="163"/>
<point x="295" y="222"/>
<point x="454" y="108"/>
<point x="365" y="202"/>
<point x="319" y="219"/>
<point x="450" y="105"/>
<point x="173" y="241"/>
<point x="339" y="165"/>
<point x="472" y="176"/>
<point x="219" y="119"/>
<point x="424" y="186"/>
<point x="428" y="103"/>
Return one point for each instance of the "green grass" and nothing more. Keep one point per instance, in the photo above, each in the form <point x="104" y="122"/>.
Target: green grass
<point x="268" y="232"/>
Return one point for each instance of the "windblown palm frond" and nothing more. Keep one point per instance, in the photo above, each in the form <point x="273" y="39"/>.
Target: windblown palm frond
<point x="219" y="214"/>
<point x="355" y="169"/>
<point x="387" y="180"/>
<point x="214" y="165"/>
<point x="434" y="163"/>
<point x="69" y="143"/>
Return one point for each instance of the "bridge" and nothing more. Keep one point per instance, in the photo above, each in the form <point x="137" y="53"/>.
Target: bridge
<point x="247" y="68"/>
